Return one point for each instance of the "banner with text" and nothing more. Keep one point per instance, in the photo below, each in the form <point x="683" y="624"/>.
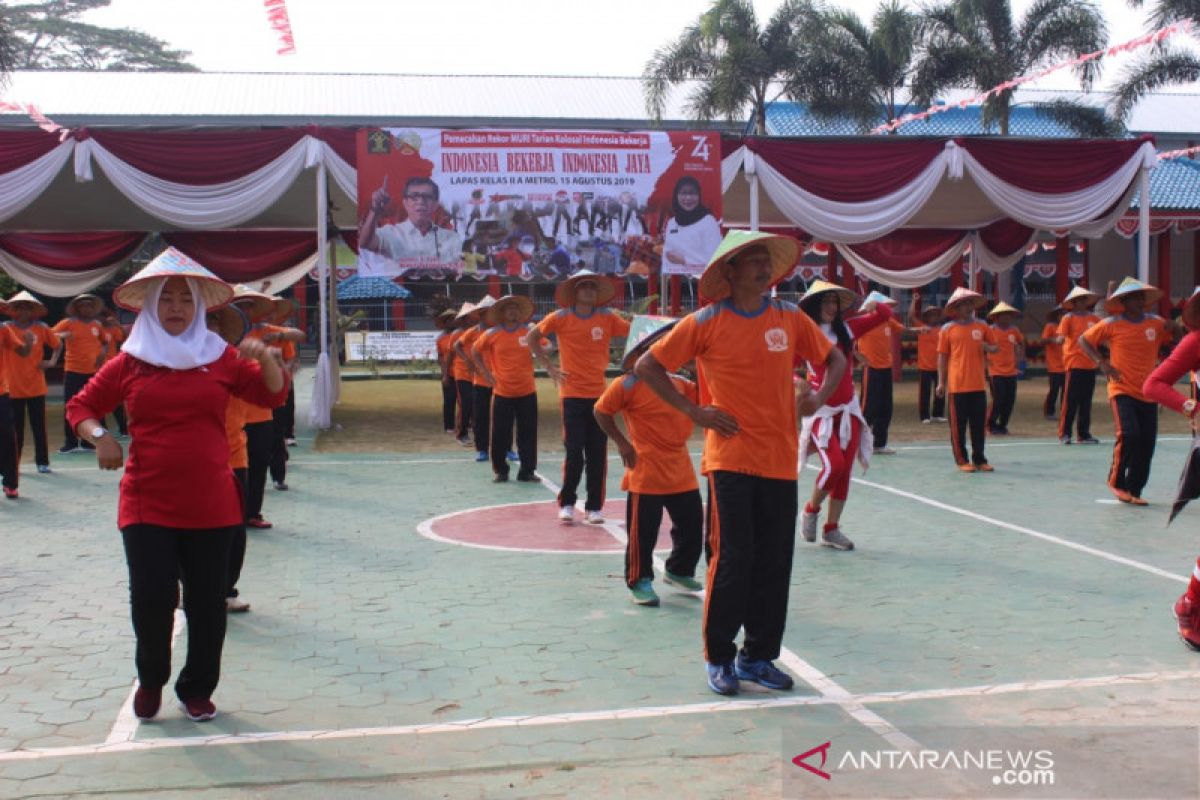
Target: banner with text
<point x="528" y="203"/>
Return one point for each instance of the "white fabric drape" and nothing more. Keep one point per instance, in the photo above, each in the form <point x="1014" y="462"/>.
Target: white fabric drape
<point x="911" y="278"/>
<point x="215" y="207"/>
<point x="1059" y="211"/>
<point x="730" y="166"/>
<point x="344" y="175"/>
<point x="835" y="221"/>
<point x="22" y="186"/>
<point x="55" y="282"/>
<point x="995" y="262"/>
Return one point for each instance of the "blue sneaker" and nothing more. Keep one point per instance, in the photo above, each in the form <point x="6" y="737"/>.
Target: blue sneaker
<point x="481" y="456"/>
<point x="763" y="673"/>
<point x="721" y="679"/>
<point x="43" y="469"/>
<point x="644" y="594"/>
<point x="684" y="582"/>
<point x="511" y="455"/>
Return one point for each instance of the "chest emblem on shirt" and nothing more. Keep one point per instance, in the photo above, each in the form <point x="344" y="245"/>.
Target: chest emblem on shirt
<point x="523" y="341"/>
<point x="597" y="334"/>
<point x="977" y="335"/>
<point x="95" y="332"/>
<point x="777" y="340"/>
<point x="1012" y="339"/>
<point x="1151" y="334"/>
<point x="887" y="332"/>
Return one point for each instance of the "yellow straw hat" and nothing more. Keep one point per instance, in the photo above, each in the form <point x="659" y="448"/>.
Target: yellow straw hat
<point x="564" y="294"/>
<point x="170" y="263"/>
<point x="965" y="295"/>
<point x="1080" y="293"/>
<point x="784" y="252"/>
<point x="496" y="311"/>
<point x="1113" y="303"/>
<point x="1004" y="308"/>
<point x="254" y="304"/>
<point x="845" y="297"/>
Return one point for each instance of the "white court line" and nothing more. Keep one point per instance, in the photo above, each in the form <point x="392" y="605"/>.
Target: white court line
<point x="827" y="686"/>
<point x="425" y="528"/>
<point x="768" y="702"/>
<point x="126" y="724"/>
<point x="1083" y="548"/>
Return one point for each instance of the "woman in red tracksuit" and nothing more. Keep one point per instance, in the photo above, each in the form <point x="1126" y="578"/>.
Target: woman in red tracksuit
<point x="837" y="432"/>
<point x="180" y="504"/>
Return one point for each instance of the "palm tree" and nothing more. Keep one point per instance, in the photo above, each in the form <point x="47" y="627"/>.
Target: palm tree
<point x="850" y="71"/>
<point x="8" y="48"/>
<point x="978" y="44"/>
<point x="735" y="59"/>
<point x="1166" y="65"/>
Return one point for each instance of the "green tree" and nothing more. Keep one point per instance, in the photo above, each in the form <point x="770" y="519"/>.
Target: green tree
<point x="1164" y="66"/>
<point x="978" y="44"/>
<point x="848" y="70"/>
<point x="51" y="35"/>
<point x="734" y="59"/>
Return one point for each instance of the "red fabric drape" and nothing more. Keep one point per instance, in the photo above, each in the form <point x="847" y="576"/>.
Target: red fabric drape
<point x="903" y="250"/>
<point x="342" y="140"/>
<point x="729" y="144"/>
<point x="199" y="158"/>
<point x="1052" y="166"/>
<point x="240" y="256"/>
<point x="1005" y="237"/>
<point x="849" y="171"/>
<point x="72" y="252"/>
<point x="18" y="148"/>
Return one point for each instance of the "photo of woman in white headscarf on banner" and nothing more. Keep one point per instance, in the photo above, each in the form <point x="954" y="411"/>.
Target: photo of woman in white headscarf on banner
<point x="692" y="234"/>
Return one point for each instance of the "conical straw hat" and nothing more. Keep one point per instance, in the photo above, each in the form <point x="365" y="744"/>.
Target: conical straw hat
<point x="564" y="294"/>
<point x="254" y="304"/>
<point x="845" y="296"/>
<point x="784" y="252"/>
<point x="1004" y="308"/>
<point x="170" y="263"/>
<point x="1080" y="292"/>
<point x="25" y="297"/>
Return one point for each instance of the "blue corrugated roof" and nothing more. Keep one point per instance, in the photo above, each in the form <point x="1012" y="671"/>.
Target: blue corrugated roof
<point x="794" y="119"/>
<point x="358" y="287"/>
<point x="1174" y="186"/>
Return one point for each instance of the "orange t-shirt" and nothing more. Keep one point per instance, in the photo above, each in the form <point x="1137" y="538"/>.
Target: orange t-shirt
<point x="235" y="432"/>
<point x="251" y="412"/>
<point x="83" y="346"/>
<point x="511" y="362"/>
<point x="443" y="346"/>
<point x="25" y="377"/>
<point x="1054" y="351"/>
<point x="1071" y="327"/>
<point x="1132" y="350"/>
<point x="746" y="360"/>
<point x="963" y="343"/>
<point x="658" y="432"/>
<point x="876" y="345"/>
<point x="468" y="340"/>
<point x="1003" y="362"/>
<point x="927" y="343"/>
<point x="460" y="369"/>
<point x="114" y="335"/>
<point x="583" y="347"/>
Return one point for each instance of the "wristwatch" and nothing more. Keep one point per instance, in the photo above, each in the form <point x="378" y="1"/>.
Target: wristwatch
<point x="99" y="432"/>
<point x="1189" y="407"/>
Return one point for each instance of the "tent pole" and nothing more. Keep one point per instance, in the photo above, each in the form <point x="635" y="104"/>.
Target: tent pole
<point x="751" y="168"/>
<point x="323" y="255"/>
<point x="1143" y="265"/>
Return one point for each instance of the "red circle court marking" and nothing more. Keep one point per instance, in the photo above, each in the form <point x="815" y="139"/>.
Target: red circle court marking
<point x="533" y="528"/>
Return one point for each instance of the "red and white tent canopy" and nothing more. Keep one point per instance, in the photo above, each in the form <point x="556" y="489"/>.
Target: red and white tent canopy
<point x="903" y="210"/>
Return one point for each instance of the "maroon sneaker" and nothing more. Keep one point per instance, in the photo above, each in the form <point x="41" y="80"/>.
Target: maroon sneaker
<point x="198" y="709"/>
<point x="258" y="522"/>
<point x="1187" y="615"/>
<point x="146" y="702"/>
<point x="11" y="494"/>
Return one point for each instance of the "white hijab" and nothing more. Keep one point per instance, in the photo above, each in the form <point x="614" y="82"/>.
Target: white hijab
<point x="150" y="342"/>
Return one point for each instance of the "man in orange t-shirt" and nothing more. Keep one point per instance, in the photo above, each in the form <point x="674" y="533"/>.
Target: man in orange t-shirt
<point x="463" y="370"/>
<point x="876" y="349"/>
<point x="926" y="324"/>
<point x="658" y="475"/>
<point x="1133" y="338"/>
<point x="1003" y="366"/>
<point x="86" y="351"/>
<point x="1080" y="383"/>
<point x="25" y="341"/>
<point x="1056" y="373"/>
<point x="962" y="348"/>
<point x="481" y="400"/>
<point x="745" y="346"/>
<point x="8" y="435"/>
<point x="583" y="328"/>
<point x="502" y="356"/>
<point x="445" y="323"/>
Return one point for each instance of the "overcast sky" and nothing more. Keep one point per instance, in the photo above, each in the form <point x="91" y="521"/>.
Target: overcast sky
<point x="493" y="37"/>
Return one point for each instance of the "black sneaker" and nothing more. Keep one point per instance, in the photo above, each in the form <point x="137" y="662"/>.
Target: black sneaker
<point x="721" y="679"/>
<point x="66" y="448"/>
<point x="1089" y="440"/>
<point x="500" y="477"/>
<point x="527" y="477"/>
<point x="763" y="673"/>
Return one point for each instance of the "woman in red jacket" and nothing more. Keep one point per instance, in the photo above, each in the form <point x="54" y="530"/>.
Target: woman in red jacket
<point x="177" y="514"/>
<point x="1160" y="388"/>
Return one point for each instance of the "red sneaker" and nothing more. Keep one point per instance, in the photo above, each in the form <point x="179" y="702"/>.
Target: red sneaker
<point x="1187" y="614"/>
<point x="146" y="702"/>
<point x="258" y="522"/>
<point x="11" y="494"/>
<point x="1121" y="494"/>
<point x="198" y="709"/>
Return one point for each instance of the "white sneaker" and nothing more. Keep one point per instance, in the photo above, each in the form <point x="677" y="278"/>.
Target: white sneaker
<point x="808" y="525"/>
<point x="595" y="518"/>
<point x="566" y="514"/>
